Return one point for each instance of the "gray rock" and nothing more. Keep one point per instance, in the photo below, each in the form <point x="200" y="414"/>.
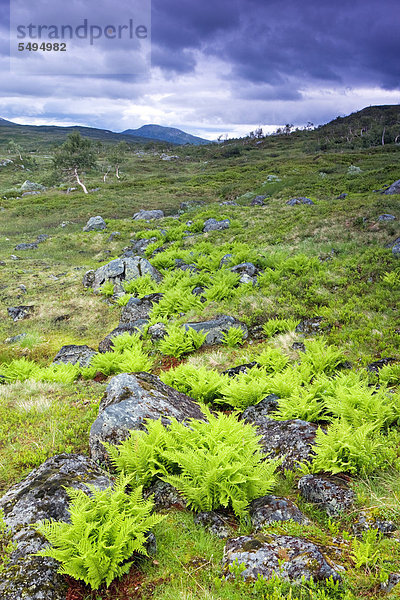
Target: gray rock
<point x="30" y="194"/>
<point x="16" y="338"/>
<point x="394" y="188"/>
<point x="120" y="270"/>
<point x="215" y="328"/>
<point x="75" y="354"/>
<point x="42" y="238"/>
<point x="214" y="225"/>
<point x="17" y="313"/>
<point x="131" y="399"/>
<point x="30" y="186"/>
<point x="13" y="257"/>
<point x="258" y="201"/>
<point x="164" y="495"/>
<point x="386" y="217"/>
<point x="107" y="345"/>
<point x="157" y="332"/>
<point x="180" y="264"/>
<point x="113" y="235"/>
<point x="225" y="260"/>
<point x="333" y="498"/>
<point x="270" y="509"/>
<point x="228" y="203"/>
<point x="262" y="410"/>
<point x="396" y="248"/>
<point x="5" y="161"/>
<point x="139" y="308"/>
<point x="190" y="204"/>
<point x="247" y="271"/>
<point x="290" y="440"/>
<point x="375" y="366"/>
<point x="286" y="557"/>
<point x="298" y="346"/>
<point x="392" y="581"/>
<point x="138" y="247"/>
<point x="215" y="522"/>
<point x="22" y="288"/>
<point x="27" y="246"/>
<point x="342" y="196"/>
<point x="41" y="495"/>
<point x="95" y="224"/>
<point x="309" y="326"/>
<point x="365" y="522"/>
<point x="148" y="215"/>
<point x="299" y="200"/>
<point x="199" y="291"/>
<point x="234" y="371"/>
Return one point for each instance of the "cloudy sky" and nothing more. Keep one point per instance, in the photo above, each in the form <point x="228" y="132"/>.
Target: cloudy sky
<point x="217" y="66"/>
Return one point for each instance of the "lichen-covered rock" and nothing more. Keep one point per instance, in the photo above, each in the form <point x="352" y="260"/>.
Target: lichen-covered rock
<point x="299" y="200"/>
<point x="138" y="247"/>
<point x="215" y="328"/>
<point x="309" y="325"/>
<point x="247" y="271"/>
<point x="30" y="186"/>
<point x="95" y="224"/>
<point x="394" y="188"/>
<point x="214" y="225"/>
<point x="290" y="440"/>
<point x="27" y="246"/>
<point x="392" y="581"/>
<point x="375" y="366"/>
<point x="107" y="345"/>
<point x="17" y="313"/>
<point x="157" y="332"/>
<point x="386" y="217"/>
<point x="234" y="371"/>
<point x="269" y="509"/>
<point x="131" y="399"/>
<point x="366" y="521"/>
<point x="41" y="495"/>
<point x="148" y="215"/>
<point x="120" y="270"/>
<point x="261" y="410"/>
<point x="164" y="495"/>
<point x="258" y="201"/>
<point x="333" y="498"/>
<point x="289" y="558"/>
<point x="139" y="308"/>
<point x="75" y="354"/>
<point x="215" y="522"/>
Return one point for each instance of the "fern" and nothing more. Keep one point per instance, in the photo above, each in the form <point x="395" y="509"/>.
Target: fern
<point x="123" y="300"/>
<point x="246" y="389"/>
<point x="200" y="383"/>
<point x="19" y="369"/>
<point x="134" y="361"/>
<point x="59" y="373"/>
<point x="127" y="341"/>
<point x="107" y="527"/>
<point x="272" y="360"/>
<point x="390" y="374"/>
<point x="274" y="326"/>
<point x="303" y="404"/>
<point x="320" y="357"/>
<point x="108" y="363"/>
<point x="233" y="337"/>
<point x="180" y="341"/>
<point x="223" y="286"/>
<point x="107" y="289"/>
<point x="142" y="286"/>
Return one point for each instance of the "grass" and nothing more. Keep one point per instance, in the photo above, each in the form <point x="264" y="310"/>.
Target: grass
<point x="328" y="260"/>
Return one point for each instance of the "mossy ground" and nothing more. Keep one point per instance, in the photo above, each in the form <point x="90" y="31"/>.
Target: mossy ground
<point x="333" y="263"/>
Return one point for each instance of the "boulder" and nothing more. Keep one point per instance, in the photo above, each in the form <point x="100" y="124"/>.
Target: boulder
<point x="158" y="331"/>
<point x="95" y="224"/>
<point x="247" y="271"/>
<point x="386" y="217"/>
<point x="17" y="313"/>
<point x="375" y="366"/>
<point x="41" y="495"/>
<point x="225" y="260"/>
<point x="262" y="410"/>
<point x="365" y="521"/>
<point x="164" y="495"/>
<point x="131" y="399"/>
<point x="15" y="338"/>
<point x="309" y="325"/>
<point x="120" y="270"/>
<point x="269" y="509"/>
<point x="299" y="200"/>
<point x="138" y="247"/>
<point x="215" y="328"/>
<point x="216" y="522"/>
<point x="333" y="498"/>
<point x="31" y="186"/>
<point x="290" y="440"/>
<point x="214" y="225"/>
<point x="394" y="188"/>
<point x="392" y="581"/>
<point x="228" y="203"/>
<point x="396" y="248"/>
<point x="5" y="161"/>
<point x="283" y="556"/>
<point x="27" y="246"/>
<point x="107" y="345"/>
<point x="148" y="215"/>
<point x="234" y="371"/>
<point x="139" y="308"/>
<point x="75" y="354"/>
<point x="258" y="201"/>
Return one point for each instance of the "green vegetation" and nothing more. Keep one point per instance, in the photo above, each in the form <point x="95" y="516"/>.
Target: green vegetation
<point x="329" y="263"/>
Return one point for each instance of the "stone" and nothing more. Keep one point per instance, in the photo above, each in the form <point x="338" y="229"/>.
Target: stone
<point x="225" y="260"/>
<point x="180" y="264"/>
<point x="298" y="346"/>
<point x="299" y="200"/>
<point x="394" y="188"/>
<point x="365" y="522"/>
<point x="215" y="328"/>
<point x="157" y="332"/>
<point x="164" y="496"/>
<point x="74" y="354"/>
<point x="234" y="371"/>
<point x="41" y="495"/>
<point x="113" y="235"/>
<point x="262" y="409"/>
<point x="148" y="215"/>
<point x="27" y="246"/>
<point x="215" y="522"/>
<point x="138" y="247"/>
<point x="42" y="238"/>
<point x="107" y="345"/>
<point x="290" y="440"/>
<point x="396" y="248"/>
<point x="13" y="257"/>
<point x="283" y="556"/>
<point x="392" y="581"/>
<point x="190" y="204"/>
<point x="5" y="161"/>
<point x="386" y="217"/>
<point x="214" y="225"/>
<point x="342" y="196"/>
<point x="31" y="186"/>
<point x="17" y="313"/>
<point x="309" y="326"/>
<point x="139" y="308"/>
<point x="30" y="194"/>
<point x="333" y="498"/>
<point x="228" y="203"/>
<point x="131" y="399"/>
<point x="15" y="338"/>
<point x="258" y="201"/>
<point x="199" y="291"/>
<point x="247" y="271"/>
<point x="95" y="224"/>
<point x="375" y="366"/>
<point x="119" y="270"/>
<point x="270" y="509"/>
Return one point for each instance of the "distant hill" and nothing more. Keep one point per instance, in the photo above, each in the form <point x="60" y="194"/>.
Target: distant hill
<point x="166" y="134"/>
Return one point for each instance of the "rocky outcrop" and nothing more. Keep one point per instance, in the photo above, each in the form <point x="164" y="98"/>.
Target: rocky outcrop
<point x="214" y="225"/>
<point x="41" y="495"/>
<point x="139" y="308"/>
<point x="331" y="497"/>
<point x="215" y="328"/>
<point x="131" y="399"/>
<point x="17" y="313"/>
<point x="119" y="270"/>
<point x="394" y="188"/>
<point x="107" y="345"/>
<point x="75" y="354"/>
<point x="269" y="509"/>
<point x="286" y="557"/>
<point x="148" y="215"/>
<point x="31" y="186"/>
<point x="95" y="224"/>
<point x="216" y="522"/>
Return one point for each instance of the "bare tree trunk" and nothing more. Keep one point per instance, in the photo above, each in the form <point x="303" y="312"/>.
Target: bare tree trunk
<point x="80" y="182"/>
<point x="117" y="172"/>
<point x="105" y="174"/>
<point x="383" y="136"/>
<point x="396" y="138"/>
